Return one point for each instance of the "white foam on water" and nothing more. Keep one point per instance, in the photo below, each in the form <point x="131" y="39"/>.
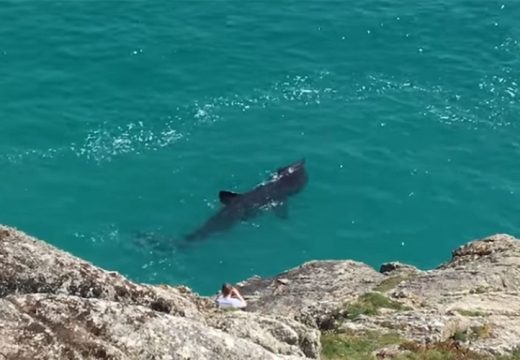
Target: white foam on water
<point x="108" y="234"/>
<point x="18" y="157"/>
<point x="299" y="89"/>
<point x="493" y="109"/>
<point x="105" y="143"/>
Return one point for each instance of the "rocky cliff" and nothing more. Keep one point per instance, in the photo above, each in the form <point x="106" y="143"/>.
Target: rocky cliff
<point x="56" y="306"/>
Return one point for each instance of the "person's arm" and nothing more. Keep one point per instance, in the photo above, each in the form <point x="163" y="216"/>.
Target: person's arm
<point x="236" y="293"/>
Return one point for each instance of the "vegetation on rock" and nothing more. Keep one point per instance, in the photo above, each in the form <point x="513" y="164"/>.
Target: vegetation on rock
<point x="370" y="303"/>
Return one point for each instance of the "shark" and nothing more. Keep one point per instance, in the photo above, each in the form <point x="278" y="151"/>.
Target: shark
<point x="272" y="194"/>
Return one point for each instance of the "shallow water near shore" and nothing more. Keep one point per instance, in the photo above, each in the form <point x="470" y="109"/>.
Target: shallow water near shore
<point x="121" y="118"/>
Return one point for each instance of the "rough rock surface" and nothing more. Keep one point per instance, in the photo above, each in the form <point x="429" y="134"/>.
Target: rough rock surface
<point x="475" y="296"/>
<point x="311" y="291"/>
<point x="278" y="334"/>
<point x="69" y="327"/>
<point x="32" y="266"/>
<point x="56" y="306"/>
<point x="396" y="267"/>
<point x="476" y="292"/>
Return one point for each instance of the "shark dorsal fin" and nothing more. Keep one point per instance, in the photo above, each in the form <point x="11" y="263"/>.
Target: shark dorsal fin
<point x="227" y="196"/>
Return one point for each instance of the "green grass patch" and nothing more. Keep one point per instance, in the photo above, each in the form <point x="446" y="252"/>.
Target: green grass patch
<point x="470" y="312"/>
<point x="481" y="332"/>
<point x="447" y="351"/>
<point x="438" y="351"/>
<point x="391" y="282"/>
<point x="473" y="333"/>
<point x="515" y="355"/>
<point x="355" y="346"/>
<point x="370" y="303"/>
<point x="352" y="346"/>
<point x="460" y="335"/>
<point x="480" y="290"/>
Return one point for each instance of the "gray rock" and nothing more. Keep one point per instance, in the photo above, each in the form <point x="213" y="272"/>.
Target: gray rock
<point x="43" y="326"/>
<point x="396" y="267"/>
<point x="475" y="293"/>
<point x="477" y="289"/>
<point x="310" y="291"/>
<point x="56" y="306"/>
<point x="31" y="266"/>
<point x="276" y="334"/>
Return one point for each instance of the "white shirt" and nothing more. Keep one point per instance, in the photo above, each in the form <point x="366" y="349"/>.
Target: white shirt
<point x="226" y="302"/>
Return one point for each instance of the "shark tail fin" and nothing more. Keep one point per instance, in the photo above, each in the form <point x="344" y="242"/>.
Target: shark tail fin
<point x="227" y="196"/>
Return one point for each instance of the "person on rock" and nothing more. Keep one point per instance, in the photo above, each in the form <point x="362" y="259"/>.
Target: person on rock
<point x="230" y="298"/>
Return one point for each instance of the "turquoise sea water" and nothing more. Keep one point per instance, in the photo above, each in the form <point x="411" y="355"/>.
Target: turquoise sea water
<point x="119" y="117"/>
